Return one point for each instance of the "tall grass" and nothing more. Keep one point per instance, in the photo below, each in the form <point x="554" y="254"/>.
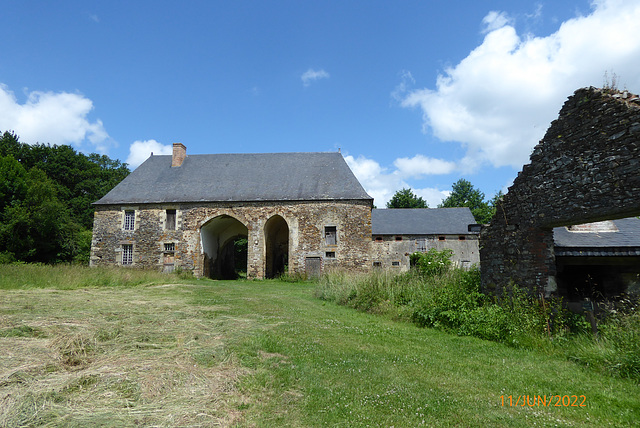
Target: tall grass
<point x="451" y="300"/>
<point x="71" y="276"/>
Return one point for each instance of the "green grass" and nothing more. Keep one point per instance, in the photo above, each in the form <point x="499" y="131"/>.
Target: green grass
<point x="266" y="353"/>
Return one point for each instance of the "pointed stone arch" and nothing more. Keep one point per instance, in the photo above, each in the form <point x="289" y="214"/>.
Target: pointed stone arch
<point x="276" y="238"/>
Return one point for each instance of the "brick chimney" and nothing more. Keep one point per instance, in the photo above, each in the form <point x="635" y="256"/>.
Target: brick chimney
<point x="179" y="153"/>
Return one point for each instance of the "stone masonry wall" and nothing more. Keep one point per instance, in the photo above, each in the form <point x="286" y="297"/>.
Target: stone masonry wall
<point x="586" y="168"/>
<point x="306" y="221"/>
<point x="388" y="250"/>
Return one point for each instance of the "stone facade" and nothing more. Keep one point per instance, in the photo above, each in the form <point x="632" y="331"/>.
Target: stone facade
<point x="201" y="231"/>
<point x="585" y="169"/>
<point x="393" y="251"/>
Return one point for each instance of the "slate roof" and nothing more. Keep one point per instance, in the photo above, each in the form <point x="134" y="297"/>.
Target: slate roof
<point x="421" y="221"/>
<point x="624" y="242"/>
<point x="239" y="178"/>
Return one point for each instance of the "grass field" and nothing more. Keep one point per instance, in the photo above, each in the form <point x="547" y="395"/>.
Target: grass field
<point x="84" y="348"/>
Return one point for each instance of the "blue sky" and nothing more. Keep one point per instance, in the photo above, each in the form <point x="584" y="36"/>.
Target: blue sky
<point x="414" y="93"/>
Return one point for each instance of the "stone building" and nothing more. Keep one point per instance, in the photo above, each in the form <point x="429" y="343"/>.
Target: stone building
<point x="300" y="212"/>
<point x="398" y="233"/>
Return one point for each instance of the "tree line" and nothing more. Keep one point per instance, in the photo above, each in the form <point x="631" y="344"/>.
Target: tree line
<point x="463" y="194"/>
<point x="46" y="196"/>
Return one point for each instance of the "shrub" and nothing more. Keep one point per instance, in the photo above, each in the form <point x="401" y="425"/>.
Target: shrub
<point x="432" y="262"/>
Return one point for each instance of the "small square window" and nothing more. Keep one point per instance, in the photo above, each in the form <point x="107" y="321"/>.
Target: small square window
<point x="169" y="247"/>
<point x="377" y="264"/>
<point x="170" y="223"/>
<point x="441" y="238"/>
<point x="378" y="238"/>
<point x="330" y="255"/>
<point x="330" y="237"/>
<point x="127" y="254"/>
<point x="129" y="219"/>
<point x="395" y="263"/>
<point x="462" y="238"/>
<point x="398" y="238"/>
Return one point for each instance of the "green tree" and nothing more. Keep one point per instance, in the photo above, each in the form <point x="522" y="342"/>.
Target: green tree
<point x="465" y="195"/>
<point x="405" y="198"/>
<point x="46" y="196"/>
<point x="79" y="179"/>
<point x="35" y="226"/>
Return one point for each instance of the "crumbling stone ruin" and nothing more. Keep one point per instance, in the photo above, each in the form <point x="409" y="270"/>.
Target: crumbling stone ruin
<point x="585" y="169"/>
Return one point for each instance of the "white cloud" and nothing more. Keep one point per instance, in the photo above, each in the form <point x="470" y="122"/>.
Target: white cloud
<point x="139" y="151"/>
<point x="312" y="75"/>
<point x="406" y="81"/>
<point x="495" y="20"/>
<point x="56" y="118"/>
<point x="381" y="184"/>
<point x="419" y="166"/>
<point x="499" y="101"/>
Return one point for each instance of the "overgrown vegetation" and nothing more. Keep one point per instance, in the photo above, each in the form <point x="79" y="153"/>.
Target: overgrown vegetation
<point x="46" y="194"/>
<point x="433" y="294"/>
<point x="70" y="277"/>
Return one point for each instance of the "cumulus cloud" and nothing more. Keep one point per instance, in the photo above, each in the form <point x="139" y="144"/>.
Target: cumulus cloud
<point x="55" y="118"/>
<point x="499" y="101"/>
<point x="139" y="151"/>
<point x="419" y="166"/>
<point x="312" y="75"/>
<point x="381" y="184"/>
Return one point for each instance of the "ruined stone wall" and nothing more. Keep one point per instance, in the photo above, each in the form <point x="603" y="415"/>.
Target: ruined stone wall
<point x="306" y="221"/>
<point x="586" y="168"/>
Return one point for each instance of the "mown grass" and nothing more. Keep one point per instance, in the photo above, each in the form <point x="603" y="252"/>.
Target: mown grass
<point x="267" y="353"/>
<point x="450" y="300"/>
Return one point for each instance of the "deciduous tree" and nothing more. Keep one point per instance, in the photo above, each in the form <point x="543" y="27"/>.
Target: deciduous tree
<point x="405" y="198"/>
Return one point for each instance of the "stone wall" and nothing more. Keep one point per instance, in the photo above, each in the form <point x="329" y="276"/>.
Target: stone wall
<point x="306" y="221"/>
<point x="386" y="250"/>
<point x="586" y="168"/>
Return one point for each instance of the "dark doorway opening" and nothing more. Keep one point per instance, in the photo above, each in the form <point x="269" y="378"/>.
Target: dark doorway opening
<point x="224" y="245"/>
<point x="276" y="233"/>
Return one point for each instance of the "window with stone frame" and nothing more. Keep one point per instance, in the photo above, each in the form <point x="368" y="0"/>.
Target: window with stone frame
<point x="330" y="235"/>
<point x="127" y="254"/>
<point x="169" y="247"/>
<point x="129" y="220"/>
<point x="170" y="222"/>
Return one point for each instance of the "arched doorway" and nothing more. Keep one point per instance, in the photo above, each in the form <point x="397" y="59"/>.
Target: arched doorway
<point x="224" y="247"/>
<point x="276" y="233"/>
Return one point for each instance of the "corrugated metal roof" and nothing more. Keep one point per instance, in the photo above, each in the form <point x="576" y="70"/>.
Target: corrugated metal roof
<point x="421" y="221"/>
<point x="239" y="178"/>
